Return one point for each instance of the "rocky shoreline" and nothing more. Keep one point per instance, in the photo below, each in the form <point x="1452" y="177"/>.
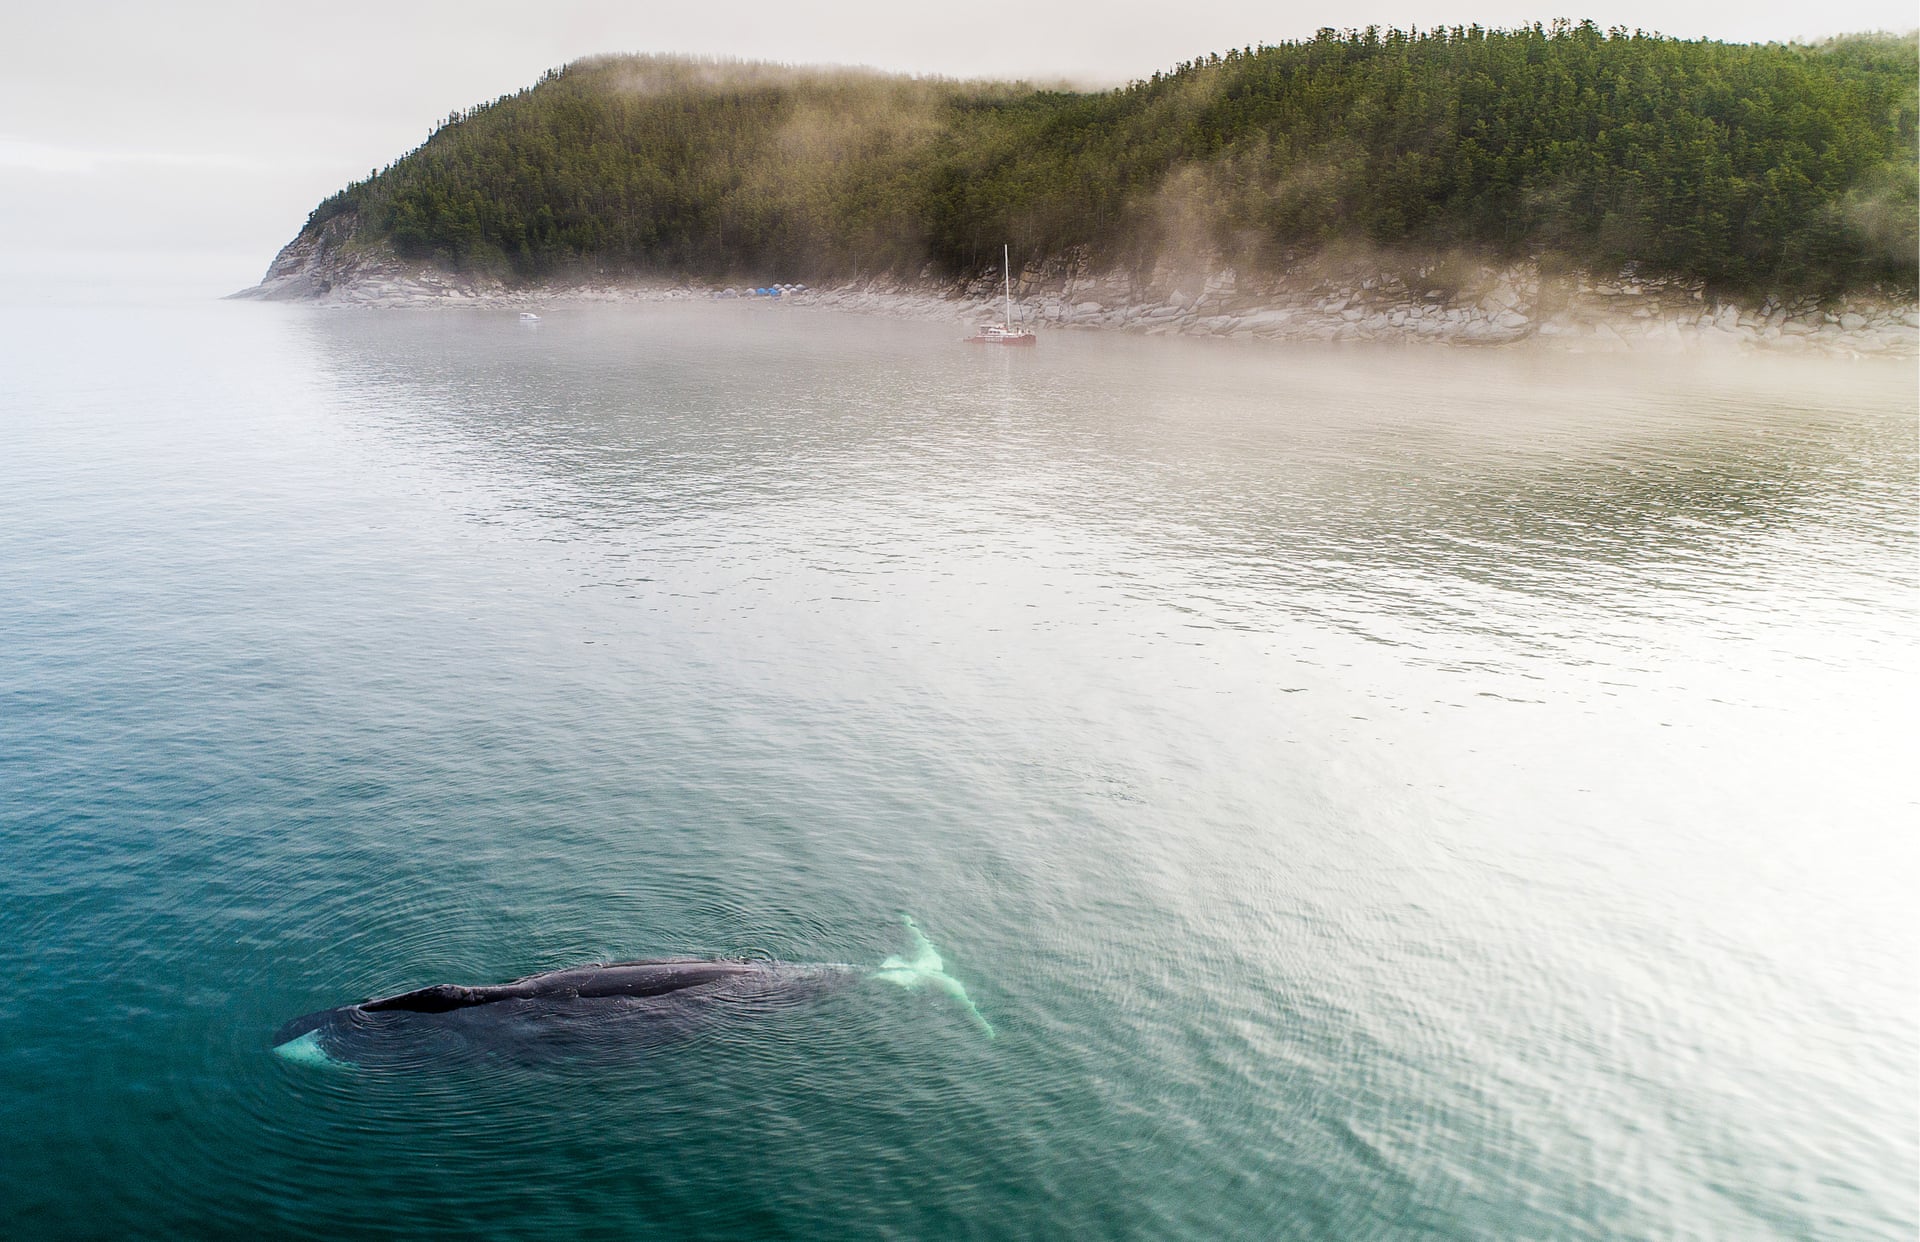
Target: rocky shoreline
<point x="1502" y="306"/>
<point x="1447" y="301"/>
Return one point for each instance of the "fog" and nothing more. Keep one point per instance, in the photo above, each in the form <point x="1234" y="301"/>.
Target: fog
<point x="212" y="129"/>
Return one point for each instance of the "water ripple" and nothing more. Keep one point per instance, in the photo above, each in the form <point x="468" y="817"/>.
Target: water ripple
<point x="1367" y="793"/>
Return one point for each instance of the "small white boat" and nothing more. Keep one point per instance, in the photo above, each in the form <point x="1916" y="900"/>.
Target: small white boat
<point x="1004" y="332"/>
<point x="529" y="317"/>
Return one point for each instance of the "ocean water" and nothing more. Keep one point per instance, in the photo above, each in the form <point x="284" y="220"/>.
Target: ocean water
<point x="1370" y="794"/>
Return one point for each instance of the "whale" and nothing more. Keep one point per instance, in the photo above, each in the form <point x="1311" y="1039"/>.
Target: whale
<point x="581" y="1010"/>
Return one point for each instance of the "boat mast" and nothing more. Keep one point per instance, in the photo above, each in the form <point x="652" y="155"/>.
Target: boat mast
<point x="1006" y="270"/>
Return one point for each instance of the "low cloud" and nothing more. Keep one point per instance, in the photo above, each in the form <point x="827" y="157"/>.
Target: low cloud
<point x="26" y="155"/>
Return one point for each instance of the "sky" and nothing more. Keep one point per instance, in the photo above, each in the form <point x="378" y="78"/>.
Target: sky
<point x="197" y="136"/>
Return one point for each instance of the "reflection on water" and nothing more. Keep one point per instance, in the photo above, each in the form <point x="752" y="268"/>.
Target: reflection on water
<point x="1369" y="792"/>
<point x="1445" y="487"/>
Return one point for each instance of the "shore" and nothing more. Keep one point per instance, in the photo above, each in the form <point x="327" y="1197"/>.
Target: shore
<point x="1462" y="305"/>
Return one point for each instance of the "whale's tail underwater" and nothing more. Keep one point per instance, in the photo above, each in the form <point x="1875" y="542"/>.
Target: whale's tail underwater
<point x="925" y="969"/>
<point x="578" y="1011"/>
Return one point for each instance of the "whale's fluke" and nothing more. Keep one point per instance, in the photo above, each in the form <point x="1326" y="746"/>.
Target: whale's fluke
<point x="926" y="969"/>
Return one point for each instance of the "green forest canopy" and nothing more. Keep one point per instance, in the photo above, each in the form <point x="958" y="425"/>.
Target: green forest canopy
<point x="1778" y="167"/>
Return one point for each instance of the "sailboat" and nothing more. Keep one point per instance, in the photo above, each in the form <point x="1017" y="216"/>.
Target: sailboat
<point x="1003" y="333"/>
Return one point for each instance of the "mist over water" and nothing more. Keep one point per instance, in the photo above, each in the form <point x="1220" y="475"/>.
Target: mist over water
<point x="1369" y="793"/>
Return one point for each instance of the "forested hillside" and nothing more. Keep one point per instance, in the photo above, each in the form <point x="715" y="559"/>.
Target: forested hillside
<point x="1749" y="167"/>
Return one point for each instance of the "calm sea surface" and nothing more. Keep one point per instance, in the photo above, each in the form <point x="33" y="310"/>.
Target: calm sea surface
<point x="1427" y="794"/>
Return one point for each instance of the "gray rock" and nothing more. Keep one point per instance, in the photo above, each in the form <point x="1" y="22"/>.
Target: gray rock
<point x="1266" y="319"/>
<point x="1503" y="297"/>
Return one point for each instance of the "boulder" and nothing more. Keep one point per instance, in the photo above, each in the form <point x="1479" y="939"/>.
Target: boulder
<point x="1503" y="297"/>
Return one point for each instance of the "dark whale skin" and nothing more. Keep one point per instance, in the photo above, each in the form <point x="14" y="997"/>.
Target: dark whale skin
<point x="605" y="1006"/>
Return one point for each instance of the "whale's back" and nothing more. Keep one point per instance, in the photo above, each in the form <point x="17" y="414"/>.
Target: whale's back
<point x="611" y="1005"/>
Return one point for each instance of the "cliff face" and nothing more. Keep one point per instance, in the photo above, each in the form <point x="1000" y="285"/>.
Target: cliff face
<point x="335" y="264"/>
<point x="308" y="267"/>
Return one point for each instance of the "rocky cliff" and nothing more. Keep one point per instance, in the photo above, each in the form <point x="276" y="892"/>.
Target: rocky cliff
<point x="333" y="264"/>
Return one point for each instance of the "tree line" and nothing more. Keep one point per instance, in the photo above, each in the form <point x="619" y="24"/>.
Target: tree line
<point x="1781" y="167"/>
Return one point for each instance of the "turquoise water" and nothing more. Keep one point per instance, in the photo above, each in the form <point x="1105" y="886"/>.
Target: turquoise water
<point x="1369" y="794"/>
